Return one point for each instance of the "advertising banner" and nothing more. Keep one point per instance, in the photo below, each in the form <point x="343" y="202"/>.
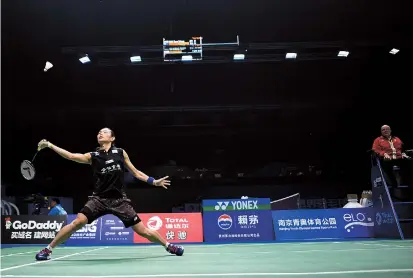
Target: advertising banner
<point x="89" y="234"/>
<point x="114" y="232"/>
<point x="175" y="227"/>
<point x="323" y="223"/>
<point x="107" y="230"/>
<point x="30" y="229"/>
<point x="237" y="220"/>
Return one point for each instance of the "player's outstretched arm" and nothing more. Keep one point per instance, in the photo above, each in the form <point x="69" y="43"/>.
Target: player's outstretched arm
<point x="76" y="157"/>
<point x="163" y="182"/>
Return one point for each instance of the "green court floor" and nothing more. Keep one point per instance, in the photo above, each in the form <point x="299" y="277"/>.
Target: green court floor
<point x="313" y="259"/>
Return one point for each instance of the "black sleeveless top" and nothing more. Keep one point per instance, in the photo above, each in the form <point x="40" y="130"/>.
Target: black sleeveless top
<point x="108" y="172"/>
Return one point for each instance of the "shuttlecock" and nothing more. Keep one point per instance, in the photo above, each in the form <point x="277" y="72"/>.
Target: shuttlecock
<point x="48" y="66"/>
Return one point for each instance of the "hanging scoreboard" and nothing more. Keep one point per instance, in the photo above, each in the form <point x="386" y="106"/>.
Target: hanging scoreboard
<point x="181" y="50"/>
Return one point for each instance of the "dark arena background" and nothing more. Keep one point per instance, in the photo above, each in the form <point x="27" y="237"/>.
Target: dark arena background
<point x="262" y="113"/>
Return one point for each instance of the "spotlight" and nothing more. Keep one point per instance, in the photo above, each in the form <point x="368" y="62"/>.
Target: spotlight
<point x="291" y="55"/>
<point x="135" y="59"/>
<point x="48" y="66"/>
<point x="239" y="56"/>
<point x="84" y="59"/>
<point x="394" y="51"/>
<point x="343" y="53"/>
<point x="186" y="58"/>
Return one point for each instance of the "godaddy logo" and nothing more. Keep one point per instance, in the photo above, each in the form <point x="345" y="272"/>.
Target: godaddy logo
<point x="221" y="205"/>
<point x="8" y="222"/>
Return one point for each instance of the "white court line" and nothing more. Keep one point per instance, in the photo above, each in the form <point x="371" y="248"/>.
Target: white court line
<point x="264" y="252"/>
<point x="40" y="262"/>
<point x="202" y="245"/>
<point x="13" y="254"/>
<point x="384" y="245"/>
<point x="226" y="274"/>
<point x="351" y="250"/>
<point x="31" y="252"/>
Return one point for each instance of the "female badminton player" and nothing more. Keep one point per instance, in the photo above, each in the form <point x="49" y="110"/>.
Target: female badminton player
<point x="108" y="163"/>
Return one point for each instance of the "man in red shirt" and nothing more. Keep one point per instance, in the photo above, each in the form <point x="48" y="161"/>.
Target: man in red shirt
<point x="390" y="150"/>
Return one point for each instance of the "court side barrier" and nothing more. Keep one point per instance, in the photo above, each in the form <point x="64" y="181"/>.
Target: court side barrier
<point x="315" y="224"/>
<point x="106" y="230"/>
<point x="237" y="220"/>
<point x="109" y="230"/>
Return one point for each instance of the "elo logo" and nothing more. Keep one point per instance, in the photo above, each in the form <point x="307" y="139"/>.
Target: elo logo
<point x="359" y="219"/>
<point x="225" y="222"/>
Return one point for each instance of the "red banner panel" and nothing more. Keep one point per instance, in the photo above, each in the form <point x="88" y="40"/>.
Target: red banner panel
<point x="174" y="227"/>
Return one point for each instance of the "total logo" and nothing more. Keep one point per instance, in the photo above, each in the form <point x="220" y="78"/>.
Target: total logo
<point x="154" y="223"/>
<point x="225" y="222"/>
<point x="238" y="205"/>
<point x="33" y="225"/>
<point x="359" y="219"/>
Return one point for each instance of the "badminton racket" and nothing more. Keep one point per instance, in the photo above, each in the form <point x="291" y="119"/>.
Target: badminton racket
<point x="27" y="168"/>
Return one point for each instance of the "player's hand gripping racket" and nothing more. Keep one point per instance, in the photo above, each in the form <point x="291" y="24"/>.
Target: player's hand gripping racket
<point x="27" y="168"/>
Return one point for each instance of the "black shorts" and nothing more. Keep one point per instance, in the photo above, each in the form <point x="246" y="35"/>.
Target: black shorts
<point x="121" y="208"/>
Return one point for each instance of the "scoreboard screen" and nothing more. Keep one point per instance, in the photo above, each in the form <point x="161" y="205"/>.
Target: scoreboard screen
<point x="174" y="50"/>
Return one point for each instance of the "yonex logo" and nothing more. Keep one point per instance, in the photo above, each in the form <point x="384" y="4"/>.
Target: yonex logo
<point x="221" y="205"/>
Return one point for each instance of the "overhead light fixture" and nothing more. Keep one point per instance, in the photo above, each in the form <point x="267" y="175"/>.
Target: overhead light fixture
<point x="343" y="53"/>
<point x="186" y="58"/>
<point x="239" y="56"/>
<point x="291" y="55"/>
<point x="84" y="59"/>
<point x="134" y="59"/>
<point x="394" y="51"/>
<point x="48" y="66"/>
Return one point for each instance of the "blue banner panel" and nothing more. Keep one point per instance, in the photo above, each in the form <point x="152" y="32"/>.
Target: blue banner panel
<point x="236" y="204"/>
<point x="89" y="234"/>
<point x="114" y="232"/>
<point x="107" y="230"/>
<point x="323" y="223"/>
<point x="248" y="225"/>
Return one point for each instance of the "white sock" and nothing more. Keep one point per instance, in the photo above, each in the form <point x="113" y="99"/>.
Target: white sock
<point x="49" y="247"/>
<point x="167" y="245"/>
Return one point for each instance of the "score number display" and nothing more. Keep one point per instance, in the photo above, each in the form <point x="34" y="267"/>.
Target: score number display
<point x="173" y="50"/>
